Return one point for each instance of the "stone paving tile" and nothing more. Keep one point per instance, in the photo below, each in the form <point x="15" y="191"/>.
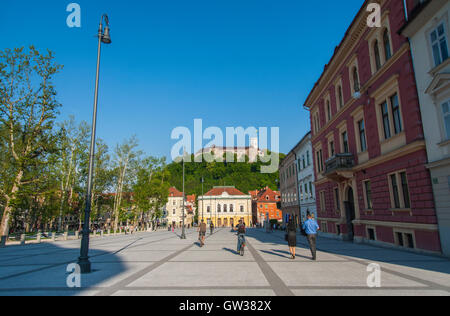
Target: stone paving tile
<point x="197" y="293"/>
<point x="332" y="274"/>
<point x="204" y="274"/>
<point x="369" y="292"/>
<point x="162" y="264"/>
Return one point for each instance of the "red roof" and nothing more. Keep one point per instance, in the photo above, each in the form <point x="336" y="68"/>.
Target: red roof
<point x="268" y="195"/>
<point x="173" y="192"/>
<point x="191" y="198"/>
<point x="217" y="191"/>
<point x="254" y="193"/>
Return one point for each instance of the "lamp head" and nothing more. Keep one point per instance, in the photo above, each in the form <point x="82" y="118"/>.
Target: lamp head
<point x="106" y="38"/>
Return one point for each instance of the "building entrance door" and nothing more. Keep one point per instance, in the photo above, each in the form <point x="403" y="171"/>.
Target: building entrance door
<point x="225" y="222"/>
<point x="350" y="213"/>
<point x="219" y="222"/>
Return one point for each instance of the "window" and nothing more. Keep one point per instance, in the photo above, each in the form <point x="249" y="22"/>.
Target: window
<point x="439" y="45"/>
<point x="387" y="45"/>
<point x="307" y="158"/>
<point x="386" y="123"/>
<point x="231" y="208"/>
<point x="242" y="208"/>
<point x="174" y="211"/>
<point x="340" y="97"/>
<point x="376" y="51"/>
<point x="396" y="114"/>
<point x="404" y="239"/>
<point x="400" y="239"/>
<point x="362" y="136"/>
<point x="218" y="208"/>
<point x="332" y="152"/>
<point x="395" y="191"/>
<point x="405" y="190"/>
<point x="356" y="86"/>
<point x="301" y="192"/>
<point x="303" y="161"/>
<point x="208" y="209"/>
<point x="319" y="161"/>
<point x="306" y="190"/>
<point x="337" y="201"/>
<point x="328" y="111"/>
<point x="368" y="192"/>
<point x="399" y="190"/>
<point x="371" y="233"/>
<point x="345" y="142"/>
<point x="322" y="201"/>
<point x="446" y="117"/>
<point x="410" y="239"/>
<point x="310" y="190"/>
<point x="225" y="208"/>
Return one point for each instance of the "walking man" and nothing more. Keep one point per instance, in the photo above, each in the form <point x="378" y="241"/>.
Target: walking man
<point x="202" y="233"/>
<point x="211" y="227"/>
<point x="311" y="227"/>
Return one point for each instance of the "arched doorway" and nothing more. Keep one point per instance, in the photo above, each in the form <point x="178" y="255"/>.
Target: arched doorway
<point x="350" y="212"/>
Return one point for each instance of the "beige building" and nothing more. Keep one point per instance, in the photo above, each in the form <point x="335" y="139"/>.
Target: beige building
<point x="174" y="209"/>
<point x="225" y="206"/>
<point x="252" y="151"/>
<point x="428" y="29"/>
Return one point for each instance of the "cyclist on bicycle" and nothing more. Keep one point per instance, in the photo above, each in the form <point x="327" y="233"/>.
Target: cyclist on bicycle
<point x="241" y="237"/>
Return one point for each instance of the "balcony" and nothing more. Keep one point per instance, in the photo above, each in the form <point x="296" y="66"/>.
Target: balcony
<point x="339" y="167"/>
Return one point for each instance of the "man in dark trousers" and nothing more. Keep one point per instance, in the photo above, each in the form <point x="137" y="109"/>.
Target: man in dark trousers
<point x="211" y="227"/>
<point x="311" y="227"/>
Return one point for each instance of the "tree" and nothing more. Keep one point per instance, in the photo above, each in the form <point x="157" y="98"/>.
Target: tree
<point x="28" y="107"/>
<point x="125" y="163"/>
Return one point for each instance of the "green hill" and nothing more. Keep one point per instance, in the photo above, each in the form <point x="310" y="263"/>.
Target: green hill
<point x="244" y="176"/>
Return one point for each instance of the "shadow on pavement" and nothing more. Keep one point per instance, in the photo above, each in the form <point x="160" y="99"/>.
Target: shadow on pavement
<point x="234" y="252"/>
<point x="353" y="251"/>
<point x="41" y="269"/>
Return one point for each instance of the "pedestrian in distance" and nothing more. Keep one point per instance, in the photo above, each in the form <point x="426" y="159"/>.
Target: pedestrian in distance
<point x="241" y="230"/>
<point x="211" y="228"/>
<point x="311" y="227"/>
<point x="202" y="233"/>
<point x="291" y="232"/>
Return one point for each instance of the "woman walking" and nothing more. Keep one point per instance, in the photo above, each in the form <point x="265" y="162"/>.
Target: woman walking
<point x="292" y="237"/>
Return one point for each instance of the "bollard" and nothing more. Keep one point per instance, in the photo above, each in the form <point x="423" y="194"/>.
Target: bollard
<point x="109" y="232"/>
<point x="3" y="242"/>
<point x="77" y="235"/>
<point x="22" y="239"/>
<point x="66" y="235"/>
<point x="101" y="233"/>
<point x="38" y="237"/>
<point x="54" y="236"/>
<point x="120" y="231"/>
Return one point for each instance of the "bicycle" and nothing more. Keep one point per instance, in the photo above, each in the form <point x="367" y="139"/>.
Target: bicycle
<point x="241" y="245"/>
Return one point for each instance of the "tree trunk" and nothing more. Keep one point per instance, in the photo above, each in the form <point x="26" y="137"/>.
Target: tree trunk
<point x="4" y="227"/>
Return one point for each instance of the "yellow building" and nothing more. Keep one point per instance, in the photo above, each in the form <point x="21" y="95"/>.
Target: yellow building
<point x="225" y="206"/>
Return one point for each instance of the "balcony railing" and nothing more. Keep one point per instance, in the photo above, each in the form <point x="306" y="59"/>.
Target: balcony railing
<point x="339" y="162"/>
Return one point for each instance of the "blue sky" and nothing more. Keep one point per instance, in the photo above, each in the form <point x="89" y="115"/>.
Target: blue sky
<point x="231" y="63"/>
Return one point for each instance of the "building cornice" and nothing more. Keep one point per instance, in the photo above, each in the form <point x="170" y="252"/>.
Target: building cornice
<point x="351" y="39"/>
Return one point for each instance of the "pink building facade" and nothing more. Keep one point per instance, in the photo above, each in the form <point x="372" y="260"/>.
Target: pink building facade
<point x="372" y="184"/>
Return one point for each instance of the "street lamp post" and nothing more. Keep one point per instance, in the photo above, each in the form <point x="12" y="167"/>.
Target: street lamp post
<point x="183" y="232"/>
<point x="203" y="217"/>
<point x="83" y="260"/>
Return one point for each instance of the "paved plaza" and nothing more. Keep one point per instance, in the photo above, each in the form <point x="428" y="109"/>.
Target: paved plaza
<point x="160" y="263"/>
